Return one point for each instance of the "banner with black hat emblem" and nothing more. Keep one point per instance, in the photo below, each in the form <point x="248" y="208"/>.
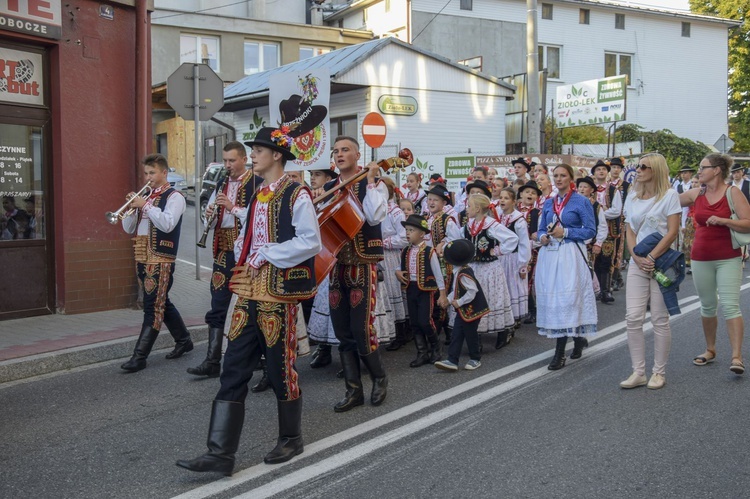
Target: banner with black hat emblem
<point x="300" y="101"/>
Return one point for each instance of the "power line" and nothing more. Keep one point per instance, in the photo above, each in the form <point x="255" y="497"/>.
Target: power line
<point x="201" y="10"/>
<point x="430" y="22"/>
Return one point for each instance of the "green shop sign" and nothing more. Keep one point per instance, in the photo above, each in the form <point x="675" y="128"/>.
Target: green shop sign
<point x="459" y="167"/>
<point x="397" y="104"/>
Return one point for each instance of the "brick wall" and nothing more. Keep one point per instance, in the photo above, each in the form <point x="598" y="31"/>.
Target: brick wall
<point x="99" y="275"/>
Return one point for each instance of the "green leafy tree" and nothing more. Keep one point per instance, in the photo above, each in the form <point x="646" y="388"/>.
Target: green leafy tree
<point x="739" y="65"/>
<point x="556" y="137"/>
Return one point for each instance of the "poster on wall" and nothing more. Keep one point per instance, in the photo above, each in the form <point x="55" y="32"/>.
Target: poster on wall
<point x="21" y="77"/>
<point x="299" y="102"/>
<point x="591" y="102"/>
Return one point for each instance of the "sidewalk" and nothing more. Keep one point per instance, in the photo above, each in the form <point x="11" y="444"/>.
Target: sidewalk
<point x="40" y="345"/>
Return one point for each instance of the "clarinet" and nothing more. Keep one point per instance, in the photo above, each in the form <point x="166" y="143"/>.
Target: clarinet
<point x="214" y="215"/>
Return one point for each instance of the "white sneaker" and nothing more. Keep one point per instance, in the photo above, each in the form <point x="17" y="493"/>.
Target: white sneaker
<point x="657" y="381"/>
<point x="635" y="380"/>
<point x="472" y="364"/>
<point x="446" y="365"/>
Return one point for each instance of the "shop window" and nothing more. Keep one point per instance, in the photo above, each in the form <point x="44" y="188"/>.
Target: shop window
<point x="307" y="52"/>
<point x="200" y="49"/>
<point x="260" y="56"/>
<point x="618" y="64"/>
<point x="21" y="183"/>
<point x="547" y="11"/>
<point x="549" y="57"/>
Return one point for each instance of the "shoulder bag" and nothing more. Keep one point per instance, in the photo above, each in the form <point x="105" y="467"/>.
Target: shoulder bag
<point x="739" y="239"/>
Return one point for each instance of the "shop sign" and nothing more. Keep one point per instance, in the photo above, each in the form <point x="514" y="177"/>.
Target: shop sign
<point x="591" y="102"/>
<point x="403" y="105"/>
<point x="458" y="167"/>
<point x="41" y="18"/>
<point x="21" y="77"/>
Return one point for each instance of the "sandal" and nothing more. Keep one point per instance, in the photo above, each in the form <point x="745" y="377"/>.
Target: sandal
<point x="737" y="367"/>
<point x="702" y="360"/>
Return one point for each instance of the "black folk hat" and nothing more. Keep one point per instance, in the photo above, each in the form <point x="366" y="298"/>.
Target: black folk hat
<point x="686" y="169"/>
<point x="600" y="163"/>
<point x="736" y="168"/>
<point x="328" y="171"/>
<point x="531" y="184"/>
<point x="478" y="184"/>
<point x="441" y="191"/>
<point x="459" y="252"/>
<point x="275" y="139"/>
<point x="417" y="221"/>
<point x="300" y="116"/>
<point x="434" y="178"/>
<point x="619" y="161"/>
<point x="586" y="180"/>
<point x="523" y="161"/>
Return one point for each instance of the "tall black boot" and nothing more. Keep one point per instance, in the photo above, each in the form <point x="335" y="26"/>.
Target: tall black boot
<point x="605" y="282"/>
<point x="142" y="348"/>
<point x="558" y="361"/>
<point x="448" y="335"/>
<point x="264" y="383"/>
<point x="423" y="356"/>
<point x="322" y="356"/>
<point x="223" y="439"/>
<point x="211" y="366"/>
<point x="353" y="380"/>
<point x="578" y="345"/>
<point x="503" y="338"/>
<point x="289" y="443"/>
<point x="178" y="330"/>
<point x="374" y="364"/>
<point x="400" y="339"/>
<point x="531" y="318"/>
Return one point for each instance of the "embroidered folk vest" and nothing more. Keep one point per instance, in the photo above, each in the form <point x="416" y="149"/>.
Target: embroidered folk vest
<point x="245" y="192"/>
<point x="425" y="277"/>
<point x="164" y="244"/>
<point x="476" y="308"/>
<point x="484" y="245"/>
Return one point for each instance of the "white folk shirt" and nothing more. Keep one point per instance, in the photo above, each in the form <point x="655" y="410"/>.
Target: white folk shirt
<point x="165" y="220"/>
<point x="233" y="189"/>
<point x="507" y="239"/>
<point x="411" y="260"/>
<point x="394" y="234"/>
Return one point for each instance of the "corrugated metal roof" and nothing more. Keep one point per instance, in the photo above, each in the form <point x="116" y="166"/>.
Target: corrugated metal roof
<point x="338" y="62"/>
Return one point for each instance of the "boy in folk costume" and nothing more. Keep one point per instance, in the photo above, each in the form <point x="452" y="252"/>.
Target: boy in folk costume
<point x="619" y="186"/>
<point x="228" y="204"/>
<point x="528" y="195"/>
<point x="156" y="223"/>
<point x="612" y="206"/>
<point x="469" y="306"/>
<point x="276" y="271"/>
<point x="421" y="276"/>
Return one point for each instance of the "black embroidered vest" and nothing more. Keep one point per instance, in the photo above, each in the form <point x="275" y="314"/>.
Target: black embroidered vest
<point x="532" y="220"/>
<point x="425" y="277"/>
<point x="164" y="244"/>
<point x="483" y="244"/>
<point x="249" y="184"/>
<point x="438" y="228"/>
<point x="476" y="308"/>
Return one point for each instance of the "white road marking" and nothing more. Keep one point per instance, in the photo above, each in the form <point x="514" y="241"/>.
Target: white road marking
<point x="319" y="467"/>
<point x="193" y="264"/>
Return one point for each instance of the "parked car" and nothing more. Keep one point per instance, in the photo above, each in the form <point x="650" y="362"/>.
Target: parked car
<point x="214" y="172"/>
<point x="177" y="181"/>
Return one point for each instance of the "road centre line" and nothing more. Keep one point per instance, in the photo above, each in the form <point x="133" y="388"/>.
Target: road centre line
<point x="326" y="443"/>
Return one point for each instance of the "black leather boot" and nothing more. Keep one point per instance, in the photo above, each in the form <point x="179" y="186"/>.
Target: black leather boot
<point x="578" y="345"/>
<point x="353" y="380"/>
<point x="183" y="343"/>
<point x="436" y="351"/>
<point x="423" y="356"/>
<point x="264" y="383"/>
<point x="400" y="339"/>
<point x="142" y="348"/>
<point x="605" y="282"/>
<point x="448" y="335"/>
<point x="289" y="443"/>
<point x="211" y="366"/>
<point x="374" y="364"/>
<point x="322" y="357"/>
<point x="502" y="339"/>
<point x="558" y="361"/>
<point x="223" y="439"/>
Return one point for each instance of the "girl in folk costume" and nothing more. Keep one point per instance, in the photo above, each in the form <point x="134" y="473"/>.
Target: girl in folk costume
<point x="421" y="277"/>
<point x="515" y="263"/>
<point x="528" y="195"/>
<point x="407" y="207"/>
<point x="394" y="240"/>
<point x="473" y="187"/>
<point x="414" y="193"/>
<point x="486" y="234"/>
<point x="547" y="190"/>
<point x="586" y="188"/>
<point x="565" y="296"/>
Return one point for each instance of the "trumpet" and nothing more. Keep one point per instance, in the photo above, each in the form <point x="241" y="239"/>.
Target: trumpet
<point x="116" y="216"/>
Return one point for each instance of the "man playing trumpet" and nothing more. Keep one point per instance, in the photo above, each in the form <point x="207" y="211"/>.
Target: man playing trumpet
<point x="227" y="212"/>
<point x="156" y="222"/>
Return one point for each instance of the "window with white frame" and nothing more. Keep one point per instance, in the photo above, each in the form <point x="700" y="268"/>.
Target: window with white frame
<point x="260" y="56"/>
<point x="307" y="52"/>
<point x="549" y="57"/>
<point x="200" y="49"/>
<point x="618" y="64"/>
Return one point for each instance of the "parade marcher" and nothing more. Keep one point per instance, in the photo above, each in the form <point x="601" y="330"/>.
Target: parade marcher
<point x="227" y="212"/>
<point x="612" y="205"/>
<point x="487" y="234"/>
<point x="320" y="328"/>
<point x="618" y="185"/>
<point x="716" y="263"/>
<point x="521" y="167"/>
<point x="394" y="240"/>
<point x="540" y="169"/>
<point x="422" y="277"/>
<point x="529" y="194"/>
<point x="415" y="193"/>
<point x="479" y="173"/>
<point x="587" y="188"/>
<point x="353" y="280"/>
<point x="473" y="187"/>
<point x="651" y="208"/>
<point x="566" y="306"/>
<point x="156" y="223"/>
<point x="515" y="264"/>
<point x="545" y="186"/>
<point x="469" y="306"/>
<point x="281" y="238"/>
<point x="407" y="207"/>
<point x="739" y="180"/>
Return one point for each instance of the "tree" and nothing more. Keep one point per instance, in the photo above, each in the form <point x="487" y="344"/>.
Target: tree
<point x="556" y="137"/>
<point x="739" y="64"/>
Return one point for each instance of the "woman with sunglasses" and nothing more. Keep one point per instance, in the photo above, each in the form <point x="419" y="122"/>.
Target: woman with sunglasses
<point x="716" y="265"/>
<point x="651" y="207"/>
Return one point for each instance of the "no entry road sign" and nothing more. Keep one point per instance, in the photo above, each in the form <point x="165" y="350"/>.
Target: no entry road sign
<point x="373" y="130"/>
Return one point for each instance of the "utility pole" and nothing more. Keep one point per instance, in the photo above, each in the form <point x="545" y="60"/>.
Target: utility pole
<point x="532" y="80"/>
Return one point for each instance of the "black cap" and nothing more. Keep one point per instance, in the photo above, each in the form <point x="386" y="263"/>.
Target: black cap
<point x="459" y="252"/>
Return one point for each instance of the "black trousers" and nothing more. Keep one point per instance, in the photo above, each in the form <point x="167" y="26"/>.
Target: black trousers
<point x="156" y="280"/>
<point x="421" y="314"/>
<point x="351" y="295"/>
<point x="220" y="294"/>
<point x="261" y="328"/>
<point x="464" y="330"/>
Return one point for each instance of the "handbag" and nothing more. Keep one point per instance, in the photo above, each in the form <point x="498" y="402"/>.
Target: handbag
<point x="739" y="239"/>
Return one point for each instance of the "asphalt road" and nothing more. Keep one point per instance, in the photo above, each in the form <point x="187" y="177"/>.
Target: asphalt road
<point x="509" y="429"/>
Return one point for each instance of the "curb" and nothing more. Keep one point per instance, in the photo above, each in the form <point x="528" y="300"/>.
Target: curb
<point x="69" y="358"/>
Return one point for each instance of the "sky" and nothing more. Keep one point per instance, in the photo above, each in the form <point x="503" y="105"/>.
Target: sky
<point x="670" y="4"/>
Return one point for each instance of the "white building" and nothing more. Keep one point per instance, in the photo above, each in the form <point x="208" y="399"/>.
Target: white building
<point x="676" y="61"/>
<point x="458" y="113"/>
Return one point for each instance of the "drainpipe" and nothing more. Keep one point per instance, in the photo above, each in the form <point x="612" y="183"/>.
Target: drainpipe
<point x="142" y="87"/>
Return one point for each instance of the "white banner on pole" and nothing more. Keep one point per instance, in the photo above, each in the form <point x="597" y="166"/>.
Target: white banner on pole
<point x="300" y="101"/>
<point x="591" y="102"/>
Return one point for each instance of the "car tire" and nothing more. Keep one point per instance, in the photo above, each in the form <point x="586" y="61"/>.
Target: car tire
<point x="204" y="205"/>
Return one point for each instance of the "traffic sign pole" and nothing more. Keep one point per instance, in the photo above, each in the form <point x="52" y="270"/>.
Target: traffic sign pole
<point x="196" y="171"/>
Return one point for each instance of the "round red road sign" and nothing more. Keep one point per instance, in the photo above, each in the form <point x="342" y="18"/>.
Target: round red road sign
<point x="373" y="130"/>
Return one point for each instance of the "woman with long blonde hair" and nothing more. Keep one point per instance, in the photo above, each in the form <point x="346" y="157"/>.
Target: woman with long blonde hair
<point x="652" y="207"/>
